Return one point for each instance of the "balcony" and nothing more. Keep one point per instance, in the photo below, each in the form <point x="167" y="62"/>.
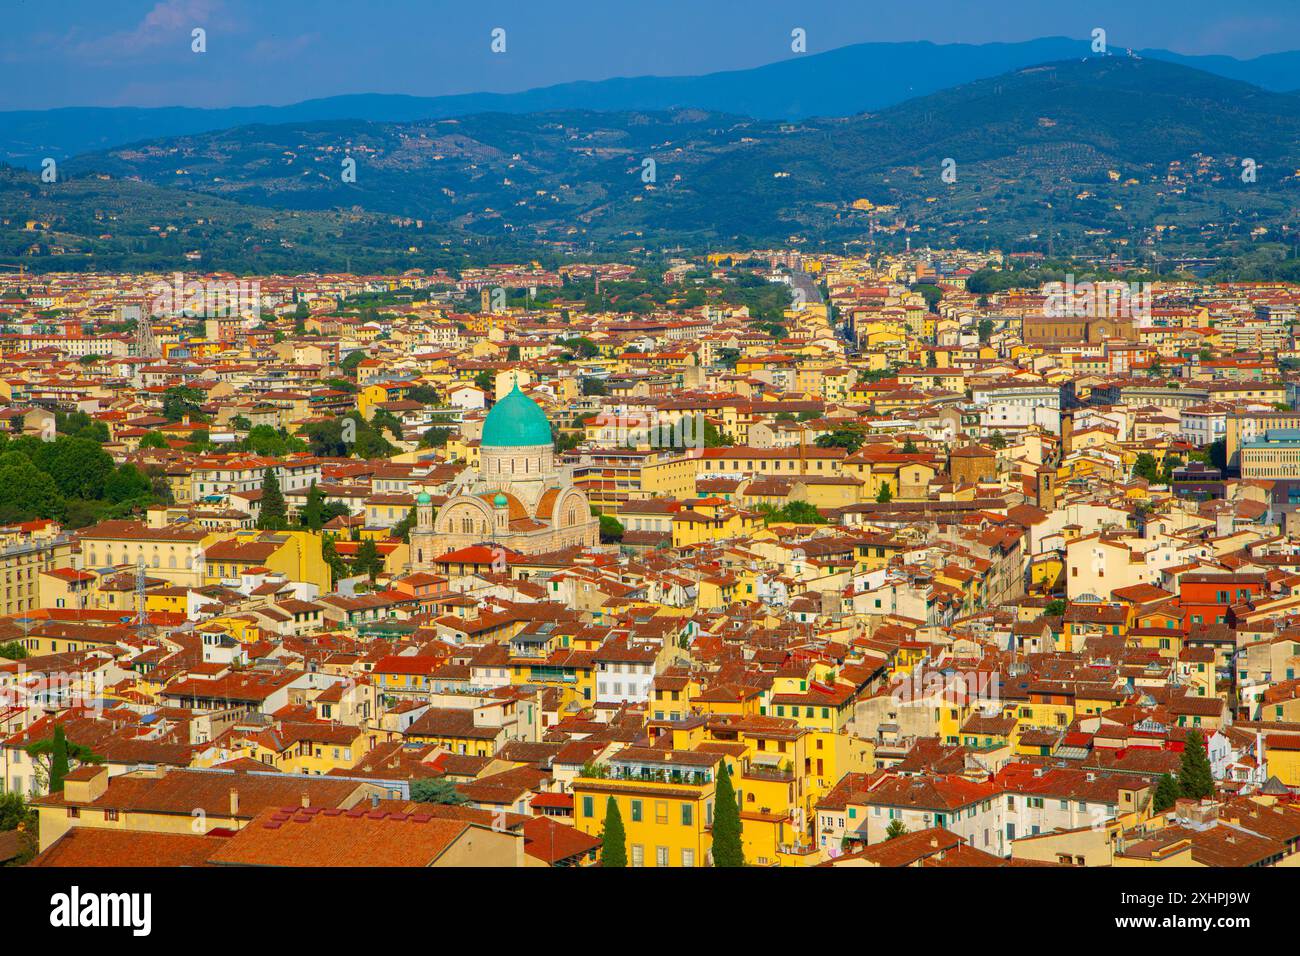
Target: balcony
<point x="768" y="771"/>
<point x="797" y="849"/>
<point x="644" y="774"/>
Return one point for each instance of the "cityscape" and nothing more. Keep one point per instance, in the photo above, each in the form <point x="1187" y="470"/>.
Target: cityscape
<point x="635" y="474"/>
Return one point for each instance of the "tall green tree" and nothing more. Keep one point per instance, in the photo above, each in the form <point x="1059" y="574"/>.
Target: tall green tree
<point x="727" y="849"/>
<point x="312" y="511"/>
<point x="613" y="841"/>
<point x="338" y="566"/>
<point x="1167" y="793"/>
<point x="884" y="496"/>
<point x="368" y="561"/>
<point x="895" y="829"/>
<point x="1195" y="778"/>
<point x="275" y="512"/>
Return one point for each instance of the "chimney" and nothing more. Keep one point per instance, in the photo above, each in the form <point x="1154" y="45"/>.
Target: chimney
<point x="234" y="802"/>
<point x="374" y="801"/>
<point x="306" y="800"/>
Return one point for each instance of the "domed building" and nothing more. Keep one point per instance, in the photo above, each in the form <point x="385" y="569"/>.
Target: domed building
<point x="519" y="499"/>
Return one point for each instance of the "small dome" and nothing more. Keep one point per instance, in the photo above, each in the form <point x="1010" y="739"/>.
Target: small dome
<point x="514" y="421"/>
<point x="423" y="498"/>
<point x="501" y="500"/>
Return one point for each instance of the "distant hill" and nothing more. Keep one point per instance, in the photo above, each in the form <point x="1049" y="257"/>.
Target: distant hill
<point x="839" y="82"/>
<point x="1097" y="154"/>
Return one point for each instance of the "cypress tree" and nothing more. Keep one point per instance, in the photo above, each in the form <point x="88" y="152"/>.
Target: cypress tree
<point x="369" y="561"/>
<point x="1167" y="793"/>
<point x="613" y="842"/>
<point x="274" y="511"/>
<point x="311" y="514"/>
<point x="727" y="849"/>
<point x="1195" y="779"/>
<point x="58" y="760"/>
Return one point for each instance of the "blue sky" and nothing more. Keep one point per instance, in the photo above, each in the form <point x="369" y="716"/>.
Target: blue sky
<point x="127" y="53"/>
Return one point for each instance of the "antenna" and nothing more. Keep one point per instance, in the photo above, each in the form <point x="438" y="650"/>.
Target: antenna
<point x="141" y="615"/>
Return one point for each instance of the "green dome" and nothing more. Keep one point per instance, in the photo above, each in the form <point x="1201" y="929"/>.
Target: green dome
<point x="500" y="500"/>
<point x="516" y="420"/>
<point x="423" y="498"/>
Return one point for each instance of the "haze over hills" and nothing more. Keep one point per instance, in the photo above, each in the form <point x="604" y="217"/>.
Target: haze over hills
<point x="1100" y="153"/>
<point x="839" y="82"/>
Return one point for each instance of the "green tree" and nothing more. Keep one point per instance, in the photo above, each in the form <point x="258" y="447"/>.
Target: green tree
<point x="58" y="752"/>
<point x="727" y="848"/>
<point x="884" y="496"/>
<point x="329" y="554"/>
<point x="368" y="561"/>
<point x="311" y="512"/>
<point x="1195" y="778"/>
<point x="582" y="346"/>
<point x="403" y="528"/>
<point x="15" y="814"/>
<point x="909" y="447"/>
<point x="930" y="293"/>
<point x="383" y="418"/>
<point x="1145" y="467"/>
<point x="435" y="436"/>
<point x="847" y="438"/>
<point x="274" y="513"/>
<point x="436" y="790"/>
<point x="611" y="530"/>
<point x="714" y="437"/>
<point x="801" y="512"/>
<point x="180" y="401"/>
<point x="985" y="329"/>
<point x="1217" y="453"/>
<point x="613" y="842"/>
<point x="998" y="441"/>
<point x="1166" y="793"/>
<point x="127" y="484"/>
<point x="26" y="492"/>
<point x="1055" y="608"/>
<point x="79" y="466"/>
<point x="13" y="651"/>
<point x="153" y="440"/>
<point x="895" y="829"/>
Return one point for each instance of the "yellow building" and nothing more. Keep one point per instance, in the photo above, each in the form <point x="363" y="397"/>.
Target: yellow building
<point x="665" y="798"/>
<point x="295" y="554"/>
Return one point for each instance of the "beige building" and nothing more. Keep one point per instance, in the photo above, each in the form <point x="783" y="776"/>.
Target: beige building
<point x="26" y="551"/>
<point x="520" y="499"/>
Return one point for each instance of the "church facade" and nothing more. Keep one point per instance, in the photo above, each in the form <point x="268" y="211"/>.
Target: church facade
<point x="519" y="499"/>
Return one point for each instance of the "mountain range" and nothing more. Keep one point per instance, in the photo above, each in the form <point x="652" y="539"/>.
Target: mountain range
<point x="840" y="82"/>
<point x="1093" y="152"/>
